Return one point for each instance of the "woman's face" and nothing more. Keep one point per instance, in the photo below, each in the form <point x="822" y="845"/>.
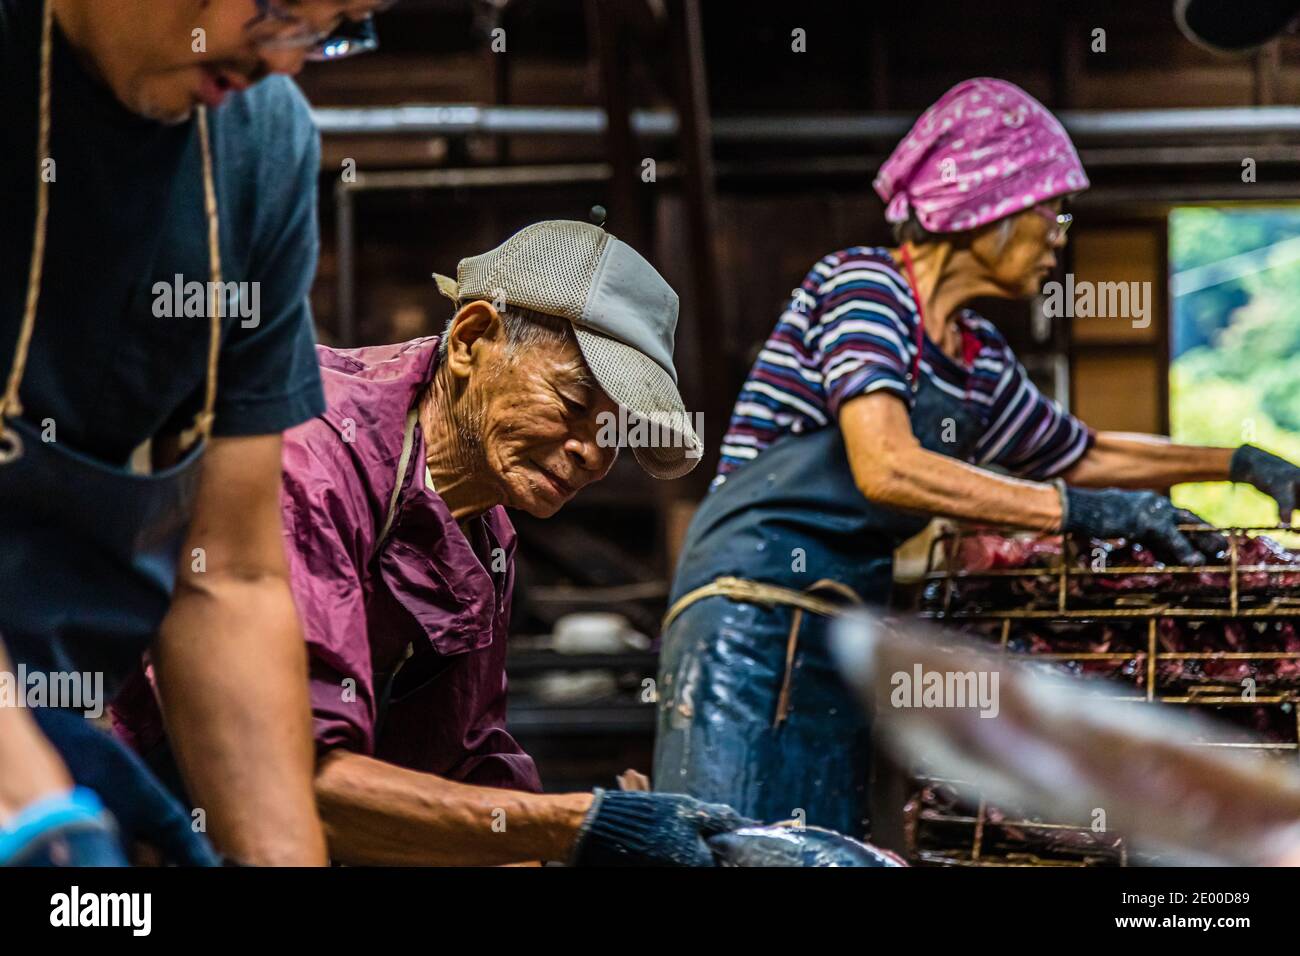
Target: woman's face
<point x="1017" y="252"/>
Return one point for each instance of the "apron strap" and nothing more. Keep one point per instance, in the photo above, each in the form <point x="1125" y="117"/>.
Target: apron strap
<point x="759" y="592"/>
<point x="10" y="404"/>
<point x="770" y="595"/>
<point x="201" y="430"/>
<point x="385" y="695"/>
<point x="920" y="316"/>
<point x="403" y="463"/>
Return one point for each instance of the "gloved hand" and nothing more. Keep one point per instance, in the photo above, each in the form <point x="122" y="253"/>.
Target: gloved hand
<point x="1276" y="477"/>
<point x="636" y="828"/>
<point x="1142" y="516"/>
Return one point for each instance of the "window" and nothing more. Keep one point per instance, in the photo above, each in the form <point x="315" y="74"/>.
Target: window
<point x="1234" y="373"/>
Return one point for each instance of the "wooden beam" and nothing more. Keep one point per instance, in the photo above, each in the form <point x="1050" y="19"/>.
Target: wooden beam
<point x="1268" y="74"/>
<point x="696" y="159"/>
<point x="625" y="203"/>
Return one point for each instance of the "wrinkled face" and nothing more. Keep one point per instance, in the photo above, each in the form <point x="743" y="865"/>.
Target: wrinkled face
<point x="1016" y="252"/>
<point x="163" y="59"/>
<point x="540" y="422"/>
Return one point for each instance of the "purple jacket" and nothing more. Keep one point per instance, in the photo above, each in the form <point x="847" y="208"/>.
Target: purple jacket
<point x="427" y="589"/>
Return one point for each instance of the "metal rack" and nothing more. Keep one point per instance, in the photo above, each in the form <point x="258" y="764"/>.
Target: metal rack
<point x="1067" y="570"/>
<point x="1268" y="597"/>
<point x="981" y="827"/>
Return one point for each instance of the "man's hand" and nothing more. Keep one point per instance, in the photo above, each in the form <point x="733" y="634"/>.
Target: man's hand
<point x="1276" y="477"/>
<point x="631" y="828"/>
<point x="232" y="666"/>
<point x="1142" y="516"/>
<point x="379" y="814"/>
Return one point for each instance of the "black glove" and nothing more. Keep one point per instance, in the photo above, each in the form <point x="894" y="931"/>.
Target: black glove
<point x="1276" y="477"/>
<point x="1142" y="516"/>
<point x="636" y="828"/>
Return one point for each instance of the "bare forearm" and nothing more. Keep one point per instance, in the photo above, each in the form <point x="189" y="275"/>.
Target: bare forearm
<point x="30" y="767"/>
<point x="232" y="677"/>
<point x="891" y="468"/>
<point x="922" y="481"/>
<point x="1130" y="460"/>
<point x="379" y="814"/>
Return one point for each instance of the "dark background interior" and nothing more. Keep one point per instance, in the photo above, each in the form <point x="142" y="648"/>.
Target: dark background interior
<point x="734" y="219"/>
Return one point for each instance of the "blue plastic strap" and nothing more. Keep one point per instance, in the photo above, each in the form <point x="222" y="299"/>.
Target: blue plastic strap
<point x="80" y="806"/>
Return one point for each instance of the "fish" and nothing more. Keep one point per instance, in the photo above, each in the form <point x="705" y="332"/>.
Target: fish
<point x="793" y="845"/>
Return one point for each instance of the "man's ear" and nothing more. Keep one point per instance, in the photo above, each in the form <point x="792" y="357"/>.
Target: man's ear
<point x="476" y="324"/>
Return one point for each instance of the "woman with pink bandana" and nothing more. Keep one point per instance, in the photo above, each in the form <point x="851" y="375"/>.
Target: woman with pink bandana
<point x="879" y="401"/>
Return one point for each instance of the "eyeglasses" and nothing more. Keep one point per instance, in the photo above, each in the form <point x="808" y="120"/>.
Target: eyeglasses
<point x="277" y="28"/>
<point x="1058" y="222"/>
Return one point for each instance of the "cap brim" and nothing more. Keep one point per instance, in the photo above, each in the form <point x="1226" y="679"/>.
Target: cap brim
<point x="640" y="385"/>
<point x="1230" y="26"/>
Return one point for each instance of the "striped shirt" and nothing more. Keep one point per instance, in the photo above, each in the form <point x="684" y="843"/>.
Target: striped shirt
<point x="851" y="329"/>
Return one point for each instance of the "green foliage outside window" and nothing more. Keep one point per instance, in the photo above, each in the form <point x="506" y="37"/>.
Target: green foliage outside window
<point x="1235" y="344"/>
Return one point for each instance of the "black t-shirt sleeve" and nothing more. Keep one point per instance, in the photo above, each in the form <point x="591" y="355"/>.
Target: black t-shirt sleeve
<point x="269" y="379"/>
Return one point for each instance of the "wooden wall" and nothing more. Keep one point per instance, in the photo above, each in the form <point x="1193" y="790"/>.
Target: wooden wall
<point x="1118" y="370"/>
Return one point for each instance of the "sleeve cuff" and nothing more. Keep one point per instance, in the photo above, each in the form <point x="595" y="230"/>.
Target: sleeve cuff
<point x="269" y="416"/>
<point x="866" y="381"/>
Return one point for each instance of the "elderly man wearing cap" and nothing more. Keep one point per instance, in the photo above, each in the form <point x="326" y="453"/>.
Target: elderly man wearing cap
<point x="879" y="401"/>
<point x="402" y="554"/>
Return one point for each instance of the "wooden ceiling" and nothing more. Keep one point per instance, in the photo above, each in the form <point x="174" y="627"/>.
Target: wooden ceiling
<point x="860" y="55"/>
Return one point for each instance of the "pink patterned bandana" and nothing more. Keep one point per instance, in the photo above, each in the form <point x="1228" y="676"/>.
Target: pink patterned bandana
<point x="985" y="150"/>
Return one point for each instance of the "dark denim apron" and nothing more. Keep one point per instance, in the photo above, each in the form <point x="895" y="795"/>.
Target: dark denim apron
<point x="96" y="548"/>
<point x="752" y="713"/>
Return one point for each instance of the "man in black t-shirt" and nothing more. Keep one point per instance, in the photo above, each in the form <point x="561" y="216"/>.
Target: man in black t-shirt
<point x="119" y="357"/>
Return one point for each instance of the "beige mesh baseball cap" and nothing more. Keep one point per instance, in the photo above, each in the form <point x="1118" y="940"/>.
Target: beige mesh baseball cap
<point x="624" y="316"/>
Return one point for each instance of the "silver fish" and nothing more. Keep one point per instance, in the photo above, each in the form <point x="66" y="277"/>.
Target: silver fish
<point x="785" y="845"/>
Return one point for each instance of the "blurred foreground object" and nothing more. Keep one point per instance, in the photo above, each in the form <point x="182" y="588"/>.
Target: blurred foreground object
<point x="1219" y="638"/>
<point x="1064" y="749"/>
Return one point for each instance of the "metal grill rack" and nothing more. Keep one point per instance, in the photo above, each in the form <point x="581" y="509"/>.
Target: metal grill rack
<point x="981" y="836"/>
<point x="967" y="835"/>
